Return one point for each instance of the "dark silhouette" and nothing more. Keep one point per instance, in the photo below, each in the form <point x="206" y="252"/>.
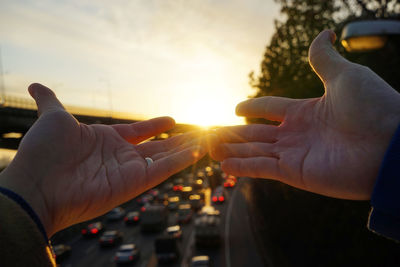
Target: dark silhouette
<point x="294" y="227"/>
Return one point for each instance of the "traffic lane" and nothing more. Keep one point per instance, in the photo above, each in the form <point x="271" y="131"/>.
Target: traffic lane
<point x="87" y="252"/>
<point x="238" y="229"/>
<point x="217" y="253"/>
<point x="183" y="244"/>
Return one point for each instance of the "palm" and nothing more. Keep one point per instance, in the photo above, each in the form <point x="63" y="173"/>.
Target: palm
<point x="330" y="145"/>
<point x="98" y="170"/>
<point x="72" y="172"/>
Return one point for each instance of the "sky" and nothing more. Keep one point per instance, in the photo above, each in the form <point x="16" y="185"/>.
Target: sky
<point x="188" y="59"/>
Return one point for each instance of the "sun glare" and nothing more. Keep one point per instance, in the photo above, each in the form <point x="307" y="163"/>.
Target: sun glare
<point x="206" y="107"/>
<point x="207" y="112"/>
<point x="203" y="95"/>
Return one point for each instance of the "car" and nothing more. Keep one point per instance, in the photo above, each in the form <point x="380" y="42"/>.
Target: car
<point x="230" y="181"/>
<point x="200" y="261"/>
<point x="186" y="192"/>
<point x="127" y="253"/>
<point x="198" y="183"/>
<point x="110" y="238"/>
<point x="61" y="252"/>
<point x="209" y="210"/>
<point x="219" y="195"/>
<point x="207" y="231"/>
<point x="132" y="217"/>
<point x="93" y="229"/>
<point x="175" y="231"/>
<point x="173" y="202"/>
<point x="196" y="201"/>
<point x="145" y="199"/>
<point x="153" y="218"/>
<point x="184" y="213"/>
<point x="115" y="214"/>
<point x="155" y="193"/>
<point x="177" y="188"/>
<point x="166" y="248"/>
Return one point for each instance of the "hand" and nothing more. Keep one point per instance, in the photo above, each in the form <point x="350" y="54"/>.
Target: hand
<point x="71" y="172"/>
<point x="331" y="145"/>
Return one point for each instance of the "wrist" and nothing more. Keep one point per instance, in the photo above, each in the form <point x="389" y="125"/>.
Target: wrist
<point x="27" y="190"/>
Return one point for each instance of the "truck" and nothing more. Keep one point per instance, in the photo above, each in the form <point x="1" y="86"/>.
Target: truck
<point x="207" y="230"/>
<point x="167" y="250"/>
<point x="153" y="218"/>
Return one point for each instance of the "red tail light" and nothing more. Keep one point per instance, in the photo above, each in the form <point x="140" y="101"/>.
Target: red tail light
<point x="84" y="231"/>
<point x="116" y="258"/>
<point x="142" y="209"/>
<point x="136" y="218"/>
<point x="214" y="199"/>
<point x="110" y="241"/>
<point x="94" y="231"/>
<point x="180" y="188"/>
<point x="221" y="198"/>
<point x="131" y="258"/>
<point x="175" y="188"/>
<point x="125" y="219"/>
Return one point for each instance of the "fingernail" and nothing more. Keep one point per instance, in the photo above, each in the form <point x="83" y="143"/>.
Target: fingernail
<point x="332" y="36"/>
<point x="32" y="89"/>
<point x="240" y="106"/>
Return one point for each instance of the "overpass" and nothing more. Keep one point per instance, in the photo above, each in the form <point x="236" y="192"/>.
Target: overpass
<point x="18" y="114"/>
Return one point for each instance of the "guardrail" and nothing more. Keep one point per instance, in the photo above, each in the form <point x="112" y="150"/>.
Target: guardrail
<point x="17" y="102"/>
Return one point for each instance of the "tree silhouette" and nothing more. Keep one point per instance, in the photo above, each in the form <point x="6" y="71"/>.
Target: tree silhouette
<point x="284" y="67"/>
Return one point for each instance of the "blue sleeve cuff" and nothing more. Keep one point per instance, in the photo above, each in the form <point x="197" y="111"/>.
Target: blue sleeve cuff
<point x="27" y="208"/>
<point x="385" y="200"/>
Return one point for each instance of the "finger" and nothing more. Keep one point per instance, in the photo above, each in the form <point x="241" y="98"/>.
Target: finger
<point x="174" y="163"/>
<point x="206" y="142"/>
<point x="243" y="150"/>
<point x="148" y="149"/>
<point x="268" y="107"/>
<point x="247" y="133"/>
<point x="136" y="132"/>
<point x="323" y="58"/>
<point x="258" y="167"/>
<point x="45" y="98"/>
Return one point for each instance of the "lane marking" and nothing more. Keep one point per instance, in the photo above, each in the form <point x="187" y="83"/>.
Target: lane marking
<point x="207" y="196"/>
<point x="90" y="249"/>
<point x="189" y="246"/>
<point x="227" y="227"/>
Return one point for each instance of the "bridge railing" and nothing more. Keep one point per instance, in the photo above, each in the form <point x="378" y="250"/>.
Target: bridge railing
<point x="17" y="102"/>
<point x="27" y="103"/>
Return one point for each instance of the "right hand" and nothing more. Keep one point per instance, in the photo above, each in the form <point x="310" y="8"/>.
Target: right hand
<point x="70" y="172"/>
<point x="332" y="145"/>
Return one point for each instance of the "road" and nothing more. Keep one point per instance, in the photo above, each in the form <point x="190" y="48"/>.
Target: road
<point x="238" y="247"/>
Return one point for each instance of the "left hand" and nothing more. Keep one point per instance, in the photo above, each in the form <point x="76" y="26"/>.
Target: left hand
<point x="70" y="172"/>
<point x="331" y="145"/>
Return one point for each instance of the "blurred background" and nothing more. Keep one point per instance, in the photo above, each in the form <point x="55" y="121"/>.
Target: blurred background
<point x="194" y="61"/>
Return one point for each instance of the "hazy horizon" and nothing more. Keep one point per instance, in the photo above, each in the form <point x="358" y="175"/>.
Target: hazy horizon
<point x="186" y="59"/>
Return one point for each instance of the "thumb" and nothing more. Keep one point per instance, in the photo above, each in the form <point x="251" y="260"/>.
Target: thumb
<point x="323" y="58"/>
<point x="45" y="98"/>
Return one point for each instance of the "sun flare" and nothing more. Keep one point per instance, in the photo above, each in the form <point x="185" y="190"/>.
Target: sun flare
<point x="203" y="94"/>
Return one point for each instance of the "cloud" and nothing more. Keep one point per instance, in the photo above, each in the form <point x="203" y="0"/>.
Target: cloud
<point x="138" y="48"/>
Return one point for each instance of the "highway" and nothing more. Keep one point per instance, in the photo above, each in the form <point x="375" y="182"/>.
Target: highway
<point x="237" y="248"/>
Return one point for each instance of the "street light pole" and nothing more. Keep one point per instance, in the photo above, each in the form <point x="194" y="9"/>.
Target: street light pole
<point x="2" y="88"/>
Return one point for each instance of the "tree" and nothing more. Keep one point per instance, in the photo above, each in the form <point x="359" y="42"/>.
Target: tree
<point x="284" y="67"/>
